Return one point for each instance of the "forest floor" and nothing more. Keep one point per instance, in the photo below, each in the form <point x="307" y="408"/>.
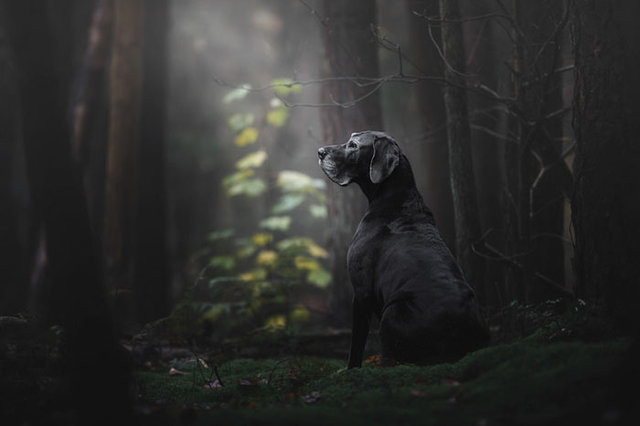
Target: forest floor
<point x="543" y="367"/>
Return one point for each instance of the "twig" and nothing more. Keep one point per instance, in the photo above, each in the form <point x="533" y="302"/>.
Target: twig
<point x="501" y="256"/>
<point x="274" y="369"/>
<point x="441" y="54"/>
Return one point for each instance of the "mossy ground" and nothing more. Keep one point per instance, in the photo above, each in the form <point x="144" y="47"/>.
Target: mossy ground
<point x="533" y="380"/>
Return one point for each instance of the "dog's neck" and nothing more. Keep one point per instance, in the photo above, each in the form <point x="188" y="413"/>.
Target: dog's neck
<point x="398" y="191"/>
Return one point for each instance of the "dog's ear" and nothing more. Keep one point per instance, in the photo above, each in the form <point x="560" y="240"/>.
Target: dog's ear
<point x="385" y="159"/>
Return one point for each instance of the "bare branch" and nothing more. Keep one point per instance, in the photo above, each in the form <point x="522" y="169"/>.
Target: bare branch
<point x="441" y="54"/>
<point x="496" y="255"/>
<point x="554" y="35"/>
<point x="485" y="16"/>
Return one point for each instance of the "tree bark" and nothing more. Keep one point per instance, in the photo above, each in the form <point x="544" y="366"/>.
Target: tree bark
<point x="465" y="204"/>
<point x="434" y="147"/>
<point x="350" y="49"/>
<point x="151" y="271"/>
<point x="123" y="142"/>
<point x="606" y="199"/>
<point x="77" y="300"/>
<point x="13" y="285"/>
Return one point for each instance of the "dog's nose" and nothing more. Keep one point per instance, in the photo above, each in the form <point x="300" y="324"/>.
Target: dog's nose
<point x="322" y="153"/>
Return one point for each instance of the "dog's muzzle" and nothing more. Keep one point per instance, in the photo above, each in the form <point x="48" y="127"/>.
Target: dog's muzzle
<point x="322" y="153"/>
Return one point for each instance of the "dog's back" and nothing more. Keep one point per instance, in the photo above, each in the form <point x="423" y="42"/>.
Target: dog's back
<point x="399" y="266"/>
<point x="428" y="311"/>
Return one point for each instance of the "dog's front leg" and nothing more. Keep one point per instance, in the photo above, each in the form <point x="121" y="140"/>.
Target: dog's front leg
<point x="359" y="332"/>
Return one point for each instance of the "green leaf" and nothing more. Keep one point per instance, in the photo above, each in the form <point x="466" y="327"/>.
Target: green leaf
<point x="238" y="176"/>
<point x="237" y="93"/>
<point x="220" y="235"/>
<point x="301" y="242"/>
<point x="222" y="262"/>
<point x="278" y="117"/>
<point x="319" y="277"/>
<point x="276" y="223"/>
<point x="246" y="251"/>
<point x="248" y="187"/>
<point x="253" y="160"/>
<point x="318" y="211"/>
<point x="216" y="311"/>
<point x="222" y="280"/>
<point x="239" y="183"/>
<point x="285" y="86"/>
<point x="293" y="181"/>
<point x="288" y="202"/>
<point x="238" y="122"/>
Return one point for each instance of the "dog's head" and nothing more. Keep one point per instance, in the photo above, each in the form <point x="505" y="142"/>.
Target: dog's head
<point x="366" y="157"/>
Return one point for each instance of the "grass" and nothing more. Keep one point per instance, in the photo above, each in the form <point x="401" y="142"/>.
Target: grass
<point x="530" y="381"/>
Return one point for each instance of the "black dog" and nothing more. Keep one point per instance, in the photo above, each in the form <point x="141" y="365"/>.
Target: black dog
<point x="400" y="267"/>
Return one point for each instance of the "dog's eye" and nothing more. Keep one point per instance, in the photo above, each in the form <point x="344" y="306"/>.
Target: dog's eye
<point x="352" y="145"/>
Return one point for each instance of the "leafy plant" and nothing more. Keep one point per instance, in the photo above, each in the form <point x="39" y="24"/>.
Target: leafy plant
<point x="250" y="279"/>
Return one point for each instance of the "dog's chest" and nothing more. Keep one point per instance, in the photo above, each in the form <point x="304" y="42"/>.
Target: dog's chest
<point x="363" y="252"/>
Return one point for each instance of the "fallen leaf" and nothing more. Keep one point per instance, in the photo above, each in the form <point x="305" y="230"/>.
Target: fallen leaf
<point x="247" y="382"/>
<point x="176" y="372"/>
<point x="416" y="392"/>
<point x="311" y="398"/>
<point x="212" y="385"/>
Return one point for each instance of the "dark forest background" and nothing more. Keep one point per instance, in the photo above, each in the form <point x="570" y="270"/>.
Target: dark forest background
<point x="159" y="169"/>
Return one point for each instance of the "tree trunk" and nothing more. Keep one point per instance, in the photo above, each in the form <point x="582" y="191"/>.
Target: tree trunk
<point x="465" y="205"/>
<point x="151" y="272"/>
<point x="350" y="49"/>
<point x="537" y="179"/>
<point x="124" y="134"/>
<point x="90" y="112"/>
<point x="13" y="284"/>
<point x="434" y="120"/>
<point x="606" y="200"/>
<point x="481" y="43"/>
<point x="77" y="300"/>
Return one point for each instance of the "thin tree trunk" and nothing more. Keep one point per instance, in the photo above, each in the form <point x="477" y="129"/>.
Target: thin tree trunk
<point x="77" y="300"/>
<point x="434" y="120"/>
<point x="350" y="49"/>
<point x="151" y="271"/>
<point x="90" y="113"/>
<point x="13" y="284"/>
<point x="606" y="200"/>
<point x="480" y="42"/>
<point x="536" y="176"/>
<point x="465" y="203"/>
<point x="124" y="135"/>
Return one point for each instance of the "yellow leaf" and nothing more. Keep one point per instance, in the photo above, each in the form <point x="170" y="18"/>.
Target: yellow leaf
<point x="303" y="262"/>
<point x="266" y="257"/>
<point x="316" y="251"/>
<point x="254" y="275"/>
<point x="300" y="314"/>
<point x="247" y="136"/>
<point x="262" y="239"/>
<point x="278" y="117"/>
<point x="253" y="160"/>
<point x="278" y="321"/>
